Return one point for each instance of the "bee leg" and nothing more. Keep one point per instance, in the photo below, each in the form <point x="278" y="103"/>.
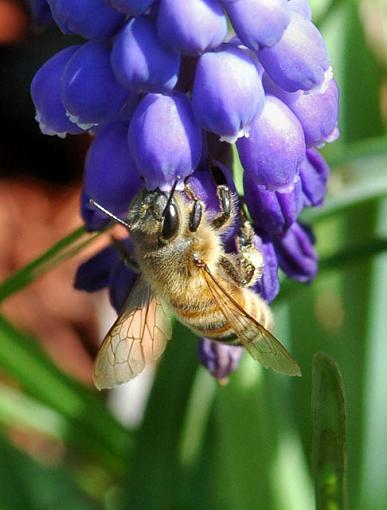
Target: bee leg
<point x="125" y="255"/>
<point x="224" y="219"/>
<point x="246" y="267"/>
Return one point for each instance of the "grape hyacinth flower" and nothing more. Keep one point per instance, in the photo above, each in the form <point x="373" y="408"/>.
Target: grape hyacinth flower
<point x="165" y="91"/>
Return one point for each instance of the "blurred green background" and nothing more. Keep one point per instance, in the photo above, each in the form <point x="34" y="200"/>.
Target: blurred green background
<point x="263" y="441"/>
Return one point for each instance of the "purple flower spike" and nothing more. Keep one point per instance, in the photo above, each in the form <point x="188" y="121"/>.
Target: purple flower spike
<point x="258" y="23"/>
<point x="317" y="110"/>
<point x="273" y="211"/>
<point x="121" y="283"/>
<point x="296" y="253"/>
<point x="46" y="95"/>
<point x="110" y="176"/>
<point x="86" y="79"/>
<point x="89" y="18"/>
<point x="164" y="139"/>
<point x="131" y="7"/>
<point x="275" y="148"/>
<point x="268" y="286"/>
<point x="219" y="359"/>
<point x="314" y="173"/>
<point x="300" y="59"/>
<point x="139" y="60"/>
<point x="223" y="103"/>
<point x="191" y="27"/>
<point x="302" y="7"/>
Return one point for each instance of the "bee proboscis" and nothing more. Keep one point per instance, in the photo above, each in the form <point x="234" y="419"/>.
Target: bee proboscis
<point x="185" y="271"/>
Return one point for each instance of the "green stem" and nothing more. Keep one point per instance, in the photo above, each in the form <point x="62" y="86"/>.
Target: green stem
<point x="61" y="251"/>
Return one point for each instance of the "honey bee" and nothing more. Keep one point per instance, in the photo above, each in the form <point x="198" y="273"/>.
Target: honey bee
<point x="185" y="271"/>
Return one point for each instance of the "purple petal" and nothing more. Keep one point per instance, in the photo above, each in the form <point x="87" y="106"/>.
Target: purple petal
<point x="222" y="102"/>
<point x="258" y="23"/>
<point x="273" y="211"/>
<point x="89" y="18"/>
<point x="219" y="359"/>
<point x="268" y="286"/>
<point x="191" y="27"/>
<point x="110" y="176"/>
<point x="275" y="147"/>
<point x="300" y="59"/>
<point x="131" y="7"/>
<point x="317" y="110"/>
<point x="301" y="7"/>
<point x="40" y="13"/>
<point x="46" y="95"/>
<point x="94" y="274"/>
<point x="296" y="253"/>
<point x="139" y="60"/>
<point x="314" y="173"/>
<point x="86" y="80"/>
<point x="164" y="139"/>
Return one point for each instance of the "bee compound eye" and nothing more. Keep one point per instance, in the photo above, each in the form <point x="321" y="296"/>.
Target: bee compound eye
<point x="170" y="223"/>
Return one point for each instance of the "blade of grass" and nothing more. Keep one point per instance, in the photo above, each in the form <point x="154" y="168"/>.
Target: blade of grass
<point x="89" y="425"/>
<point x="329" y="450"/>
<point x="59" y="252"/>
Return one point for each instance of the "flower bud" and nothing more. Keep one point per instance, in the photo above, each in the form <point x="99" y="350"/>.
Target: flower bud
<point x="268" y="286"/>
<point x="301" y="7"/>
<point x="47" y="98"/>
<point x="191" y="27"/>
<point x="275" y="148"/>
<point x="299" y="60"/>
<point x="219" y="359"/>
<point x="222" y="102"/>
<point x="89" y="18"/>
<point x="258" y="23"/>
<point x="317" y="110"/>
<point x="94" y="274"/>
<point x="296" y="253"/>
<point x="314" y="173"/>
<point x="131" y="7"/>
<point x="110" y="176"/>
<point x="164" y="139"/>
<point x="140" y="62"/>
<point x="273" y="211"/>
<point x="90" y="93"/>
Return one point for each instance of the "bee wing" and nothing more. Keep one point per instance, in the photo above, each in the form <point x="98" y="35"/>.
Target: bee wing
<point x="257" y="340"/>
<point x="138" y="337"/>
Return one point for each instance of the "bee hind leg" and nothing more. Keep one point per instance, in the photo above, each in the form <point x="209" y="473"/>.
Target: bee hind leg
<point x="246" y="266"/>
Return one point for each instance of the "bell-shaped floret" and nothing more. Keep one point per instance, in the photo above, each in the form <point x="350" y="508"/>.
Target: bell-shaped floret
<point x="89" y="18"/>
<point x="227" y="92"/>
<point x="296" y="253"/>
<point x="46" y="95"/>
<point x="258" y="23"/>
<point x="165" y="140"/>
<point x="90" y="92"/>
<point x="191" y="27"/>
<point x="110" y="176"/>
<point x="131" y="7"/>
<point x="314" y="173"/>
<point x="275" y="148"/>
<point x="299" y="60"/>
<point x="140" y="61"/>
<point x="219" y="359"/>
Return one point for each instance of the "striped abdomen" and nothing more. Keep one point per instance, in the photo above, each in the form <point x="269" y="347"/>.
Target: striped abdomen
<point x="204" y="316"/>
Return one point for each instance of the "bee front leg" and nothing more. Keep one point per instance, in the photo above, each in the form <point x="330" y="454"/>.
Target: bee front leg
<point x="225" y="218"/>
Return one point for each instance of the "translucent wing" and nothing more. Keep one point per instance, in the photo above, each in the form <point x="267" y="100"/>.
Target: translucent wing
<point x="257" y="340"/>
<point x="138" y="337"/>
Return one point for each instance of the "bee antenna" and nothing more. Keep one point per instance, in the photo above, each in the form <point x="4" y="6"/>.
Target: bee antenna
<point x="170" y="196"/>
<point x="109" y="214"/>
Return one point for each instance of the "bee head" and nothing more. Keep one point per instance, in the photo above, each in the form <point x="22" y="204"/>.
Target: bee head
<point x="156" y="214"/>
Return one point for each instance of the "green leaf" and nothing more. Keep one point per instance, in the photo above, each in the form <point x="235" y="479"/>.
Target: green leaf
<point x="329" y="449"/>
<point x="89" y="425"/>
<point x="26" y="485"/>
